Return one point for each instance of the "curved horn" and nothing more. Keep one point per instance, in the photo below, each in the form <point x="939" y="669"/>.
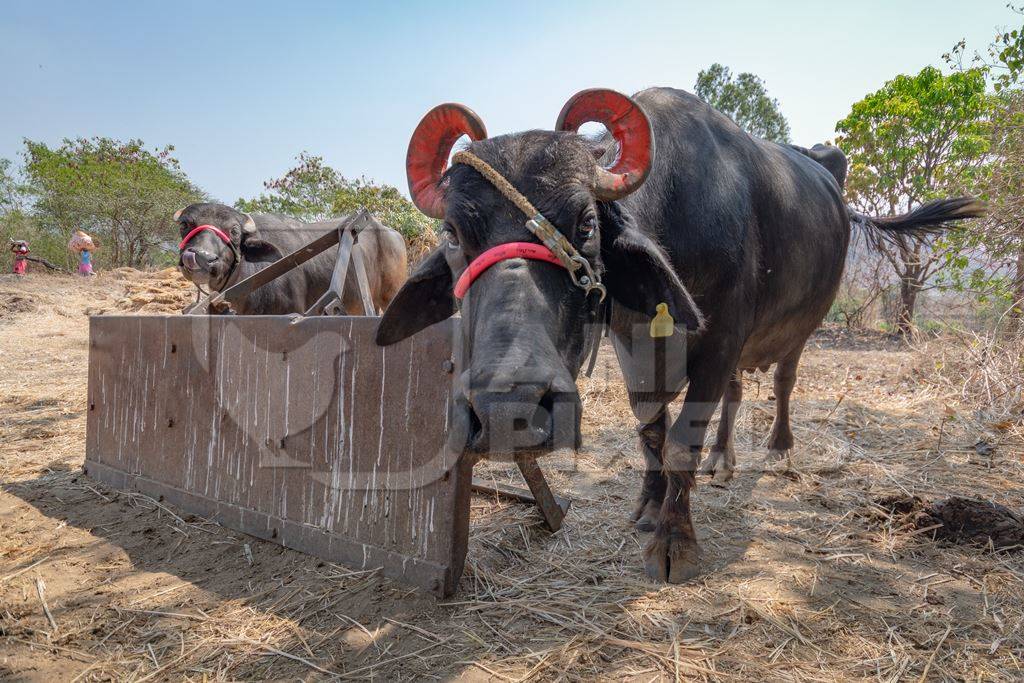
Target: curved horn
<point x="429" y="148"/>
<point x="629" y="126"/>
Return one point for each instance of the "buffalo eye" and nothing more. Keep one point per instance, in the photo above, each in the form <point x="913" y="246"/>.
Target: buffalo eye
<point x="588" y="226"/>
<point x="450" y="237"/>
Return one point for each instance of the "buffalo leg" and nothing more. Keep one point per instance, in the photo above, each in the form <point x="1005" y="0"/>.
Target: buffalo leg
<point x="652" y="441"/>
<point x="673" y="553"/>
<point x="781" y="440"/>
<point x="721" y="460"/>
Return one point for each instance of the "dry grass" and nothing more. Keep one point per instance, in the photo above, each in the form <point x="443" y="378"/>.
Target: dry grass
<point x="806" y="577"/>
<point x="985" y="371"/>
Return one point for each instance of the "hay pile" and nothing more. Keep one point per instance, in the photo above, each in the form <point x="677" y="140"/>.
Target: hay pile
<point x="420" y="245"/>
<point x="160" y="292"/>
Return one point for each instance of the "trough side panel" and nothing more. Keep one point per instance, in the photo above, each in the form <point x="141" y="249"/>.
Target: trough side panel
<point x="305" y="432"/>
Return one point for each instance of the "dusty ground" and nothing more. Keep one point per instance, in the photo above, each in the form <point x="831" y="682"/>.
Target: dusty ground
<point x="805" y="578"/>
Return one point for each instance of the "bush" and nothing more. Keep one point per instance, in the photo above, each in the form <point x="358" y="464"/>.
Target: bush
<point x="120" y="193"/>
<point x="313" y="191"/>
<point x="43" y="243"/>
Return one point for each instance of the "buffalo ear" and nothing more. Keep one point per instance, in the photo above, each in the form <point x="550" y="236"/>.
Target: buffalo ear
<point x="426" y="298"/>
<point x="638" y="274"/>
<point x="256" y="250"/>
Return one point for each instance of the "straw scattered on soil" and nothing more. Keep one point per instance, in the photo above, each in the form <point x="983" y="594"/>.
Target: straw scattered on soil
<point x="807" y="576"/>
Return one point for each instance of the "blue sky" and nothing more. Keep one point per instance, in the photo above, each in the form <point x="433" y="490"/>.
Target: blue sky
<point x="241" y="87"/>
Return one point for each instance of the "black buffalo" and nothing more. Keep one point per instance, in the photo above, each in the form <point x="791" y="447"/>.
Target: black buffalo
<point x="259" y="240"/>
<point x="755" y="232"/>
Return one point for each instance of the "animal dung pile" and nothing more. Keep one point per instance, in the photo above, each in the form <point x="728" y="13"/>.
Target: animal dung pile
<point x="965" y="521"/>
<point x="12" y="303"/>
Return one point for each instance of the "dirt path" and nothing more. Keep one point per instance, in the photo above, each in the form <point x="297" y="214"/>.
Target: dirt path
<point x="805" y="577"/>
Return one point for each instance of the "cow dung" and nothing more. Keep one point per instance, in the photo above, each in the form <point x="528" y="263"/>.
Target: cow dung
<point x="968" y="521"/>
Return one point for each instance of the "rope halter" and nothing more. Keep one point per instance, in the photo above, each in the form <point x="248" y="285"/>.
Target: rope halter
<point x="579" y="268"/>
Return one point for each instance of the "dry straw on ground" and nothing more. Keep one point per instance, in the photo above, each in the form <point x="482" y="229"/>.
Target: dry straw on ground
<point x="807" y="576"/>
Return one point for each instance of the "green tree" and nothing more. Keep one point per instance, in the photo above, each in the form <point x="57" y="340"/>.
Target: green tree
<point x="745" y="99"/>
<point x="14" y="223"/>
<point x="119" y="192"/>
<point x="916" y="138"/>
<point x="314" y="191"/>
<point x="989" y="261"/>
<point x="1005" y="61"/>
<point x="1003" y="234"/>
<point x="17" y="221"/>
<point x="12" y="190"/>
<point x="998" y="245"/>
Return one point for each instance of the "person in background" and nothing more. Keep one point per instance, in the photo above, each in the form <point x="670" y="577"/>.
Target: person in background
<point x="83" y="245"/>
<point x="20" y="250"/>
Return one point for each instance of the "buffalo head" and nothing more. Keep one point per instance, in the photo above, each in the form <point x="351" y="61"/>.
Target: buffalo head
<point x="215" y="239"/>
<point x="524" y="320"/>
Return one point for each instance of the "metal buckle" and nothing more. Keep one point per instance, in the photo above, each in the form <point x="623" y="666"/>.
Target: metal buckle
<point x="588" y="281"/>
<point x="573" y="262"/>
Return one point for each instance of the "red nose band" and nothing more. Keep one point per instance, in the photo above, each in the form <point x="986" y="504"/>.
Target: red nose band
<point x="527" y="250"/>
<point x="198" y="229"/>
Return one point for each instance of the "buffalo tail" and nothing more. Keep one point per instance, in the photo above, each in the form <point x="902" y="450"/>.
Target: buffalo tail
<point x="931" y="218"/>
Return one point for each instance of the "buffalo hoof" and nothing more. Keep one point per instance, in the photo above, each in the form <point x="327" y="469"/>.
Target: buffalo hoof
<point x="672" y="558"/>
<point x="722" y="478"/>
<point x="646" y="516"/>
<point x="778" y="460"/>
<point x="719" y="464"/>
<point x="778" y="463"/>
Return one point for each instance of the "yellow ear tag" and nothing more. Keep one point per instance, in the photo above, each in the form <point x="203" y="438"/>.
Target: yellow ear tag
<point x="662" y="325"/>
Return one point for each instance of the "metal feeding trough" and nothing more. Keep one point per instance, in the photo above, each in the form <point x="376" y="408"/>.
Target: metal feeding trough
<point x="297" y="430"/>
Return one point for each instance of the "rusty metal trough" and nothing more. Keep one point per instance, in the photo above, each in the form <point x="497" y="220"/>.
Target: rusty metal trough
<point x="305" y="433"/>
<point x="297" y="430"/>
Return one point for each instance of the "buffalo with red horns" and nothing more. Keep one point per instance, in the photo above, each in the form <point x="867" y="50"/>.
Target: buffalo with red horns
<point x="675" y="205"/>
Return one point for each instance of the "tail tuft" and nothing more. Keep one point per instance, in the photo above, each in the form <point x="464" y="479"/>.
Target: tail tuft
<point x="931" y="218"/>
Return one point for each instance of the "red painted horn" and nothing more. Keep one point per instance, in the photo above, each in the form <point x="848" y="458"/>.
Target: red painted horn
<point x="628" y="125"/>
<point x="429" y="148"/>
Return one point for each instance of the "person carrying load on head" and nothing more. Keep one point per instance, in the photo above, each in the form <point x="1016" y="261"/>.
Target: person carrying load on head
<point x="20" y="250"/>
<point x="83" y="245"/>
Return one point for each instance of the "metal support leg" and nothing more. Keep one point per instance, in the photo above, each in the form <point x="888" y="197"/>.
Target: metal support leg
<point x="346" y="242"/>
<point x="552" y="507"/>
